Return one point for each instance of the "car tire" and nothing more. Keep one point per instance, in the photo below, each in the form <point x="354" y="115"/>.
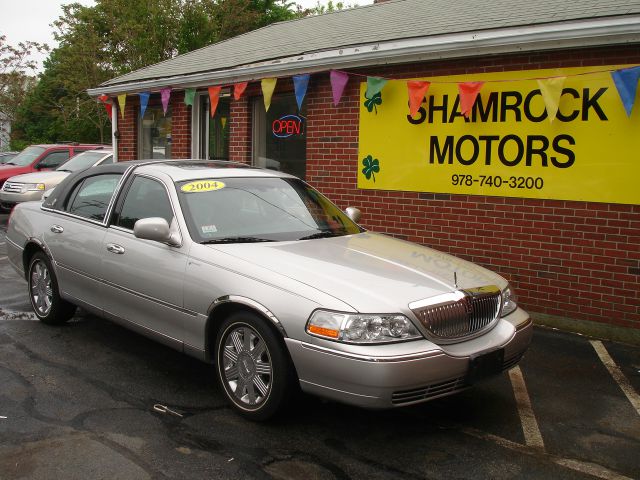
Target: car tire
<point x="44" y="294"/>
<point x="253" y="367"/>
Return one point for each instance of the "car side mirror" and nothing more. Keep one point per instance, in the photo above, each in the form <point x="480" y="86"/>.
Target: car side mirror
<point x="353" y="213"/>
<point x="155" y="229"/>
<point x="47" y="194"/>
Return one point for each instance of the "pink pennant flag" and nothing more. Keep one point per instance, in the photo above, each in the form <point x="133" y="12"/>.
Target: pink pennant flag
<point x="238" y="90"/>
<point x="417" y="91"/>
<point x="165" y="95"/>
<point x="214" y="97"/>
<point x="468" y="93"/>
<point x="339" y="81"/>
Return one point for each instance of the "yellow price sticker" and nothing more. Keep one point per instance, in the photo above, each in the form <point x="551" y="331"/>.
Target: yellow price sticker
<point x="202" y="186"/>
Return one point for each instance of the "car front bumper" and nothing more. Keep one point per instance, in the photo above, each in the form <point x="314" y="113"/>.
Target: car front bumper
<point x="11" y="199"/>
<point x="386" y="382"/>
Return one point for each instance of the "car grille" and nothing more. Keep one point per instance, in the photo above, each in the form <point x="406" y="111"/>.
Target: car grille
<point x="12" y="187"/>
<point x="459" y="314"/>
<point x="429" y="392"/>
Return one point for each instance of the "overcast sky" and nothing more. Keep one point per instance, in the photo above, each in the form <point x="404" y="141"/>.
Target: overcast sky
<point x="22" y="20"/>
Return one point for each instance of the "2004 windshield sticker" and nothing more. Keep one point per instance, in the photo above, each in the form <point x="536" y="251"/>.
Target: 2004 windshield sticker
<point x="200" y="186"/>
<point x="507" y="146"/>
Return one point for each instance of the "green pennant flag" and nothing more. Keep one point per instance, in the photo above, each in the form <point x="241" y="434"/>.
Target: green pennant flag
<point x="189" y="95"/>
<point x="374" y="85"/>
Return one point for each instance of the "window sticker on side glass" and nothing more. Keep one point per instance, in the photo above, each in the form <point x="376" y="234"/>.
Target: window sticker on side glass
<point x="202" y="186"/>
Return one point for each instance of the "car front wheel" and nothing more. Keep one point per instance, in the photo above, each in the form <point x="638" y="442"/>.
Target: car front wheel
<point x="253" y="367"/>
<point x="43" y="292"/>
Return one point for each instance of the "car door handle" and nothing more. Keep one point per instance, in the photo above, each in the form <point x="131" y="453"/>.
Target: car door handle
<point x="57" y="229"/>
<point x="113" y="248"/>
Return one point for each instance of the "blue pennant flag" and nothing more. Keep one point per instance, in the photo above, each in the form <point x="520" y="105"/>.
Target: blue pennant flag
<point x="144" y="101"/>
<point x="300" y="84"/>
<point x="626" y="81"/>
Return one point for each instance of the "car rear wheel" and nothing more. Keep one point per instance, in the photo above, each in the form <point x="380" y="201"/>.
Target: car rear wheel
<point x="43" y="292"/>
<point x="253" y="367"/>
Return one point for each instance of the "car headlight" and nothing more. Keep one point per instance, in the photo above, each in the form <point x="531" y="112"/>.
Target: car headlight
<point x="34" y="187"/>
<point x="509" y="301"/>
<point x="361" y="328"/>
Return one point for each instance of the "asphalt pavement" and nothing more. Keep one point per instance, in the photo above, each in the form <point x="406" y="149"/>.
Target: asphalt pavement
<point x="93" y="400"/>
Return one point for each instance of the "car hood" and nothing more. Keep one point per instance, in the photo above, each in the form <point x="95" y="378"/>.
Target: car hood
<point x="50" y="178"/>
<point x="7" y="171"/>
<point x="371" y="272"/>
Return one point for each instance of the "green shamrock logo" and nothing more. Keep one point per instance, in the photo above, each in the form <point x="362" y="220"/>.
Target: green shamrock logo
<point x="371" y="103"/>
<point x="371" y="167"/>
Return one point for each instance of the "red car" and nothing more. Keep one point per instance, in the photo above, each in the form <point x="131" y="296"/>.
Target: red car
<point x="41" y="157"/>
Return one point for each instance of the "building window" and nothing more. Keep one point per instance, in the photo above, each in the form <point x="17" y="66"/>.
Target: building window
<point x="154" y="133"/>
<point x="280" y="135"/>
<point x="211" y="135"/>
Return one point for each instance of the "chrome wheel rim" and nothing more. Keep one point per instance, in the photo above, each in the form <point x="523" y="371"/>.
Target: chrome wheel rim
<point x="41" y="290"/>
<point x="246" y="366"/>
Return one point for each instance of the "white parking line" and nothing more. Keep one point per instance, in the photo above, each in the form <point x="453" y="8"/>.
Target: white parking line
<point x="532" y="435"/>
<point x="3" y="258"/>
<point x="617" y="374"/>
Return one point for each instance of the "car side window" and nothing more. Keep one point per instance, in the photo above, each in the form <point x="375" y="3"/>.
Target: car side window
<point x="54" y="159"/>
<point x="146" y="198"/>
<point x="90" y="198"/>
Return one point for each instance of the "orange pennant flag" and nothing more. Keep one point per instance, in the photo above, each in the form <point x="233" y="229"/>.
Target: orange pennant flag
<point x="238" y="89"/>
<point x="468" y="93"/>
<point x="214" y="97"/>
<point x="417" y="91"/>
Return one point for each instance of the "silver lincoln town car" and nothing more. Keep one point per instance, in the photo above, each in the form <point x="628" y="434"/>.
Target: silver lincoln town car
<point x="255" y="271"/>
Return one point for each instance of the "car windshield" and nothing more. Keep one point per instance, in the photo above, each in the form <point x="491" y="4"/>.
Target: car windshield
<point x="81" y="161"/>
<point x="26" y="156"/>
<point x="240" y="210"/>
<point x="6" y="157"/>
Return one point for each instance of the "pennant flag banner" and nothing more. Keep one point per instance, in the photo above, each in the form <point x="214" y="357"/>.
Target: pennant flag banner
<point x="214" y="98"/>
<point x="468" y="93"/>
<point x="107" y="105"/>
<point x="339" y="81"/>
<point x="165" y="95"/>
<point x="189" y="95"/>
<point x="238" y="90"/>
<point x="300" y="84"/>
<point x="374" y="86"/>
<point x="417" y="91"/>
<point x="268" y="86"/>
<point x="551" y="89"/>
<point x="626" y="81"/>
<point x="122" y="101"/>
<point x="144" y="101"/>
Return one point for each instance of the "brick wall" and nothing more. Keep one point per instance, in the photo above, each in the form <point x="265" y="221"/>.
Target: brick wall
<point x="579" y="260"/>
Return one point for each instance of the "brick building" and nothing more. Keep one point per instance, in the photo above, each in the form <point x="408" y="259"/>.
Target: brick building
<point x="572" y="253"/>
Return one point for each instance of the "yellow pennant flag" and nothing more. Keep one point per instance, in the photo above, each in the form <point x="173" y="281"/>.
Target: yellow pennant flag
<point x="223" y="120"/>
<point x="551" y="89"/>
<point x="268" y="86"/>
<point x="122" y="101"/>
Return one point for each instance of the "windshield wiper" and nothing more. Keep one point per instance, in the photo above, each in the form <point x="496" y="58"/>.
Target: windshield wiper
<point x="236" y="240"/>
<point x="323" y="234"/>
<point x="64" y="170"/>
<point x="8" y="163"/>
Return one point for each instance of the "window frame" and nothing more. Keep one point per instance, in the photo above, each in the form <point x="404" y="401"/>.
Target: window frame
<point x="50" y="153"/>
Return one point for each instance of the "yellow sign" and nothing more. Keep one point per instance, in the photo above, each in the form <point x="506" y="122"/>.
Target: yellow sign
<point x="508" y="146"/>
<point x="202" y="186"/>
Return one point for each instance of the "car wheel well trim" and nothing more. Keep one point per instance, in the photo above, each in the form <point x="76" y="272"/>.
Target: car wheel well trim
<point x="232" y="303"/>
<point x="32" y="247"/>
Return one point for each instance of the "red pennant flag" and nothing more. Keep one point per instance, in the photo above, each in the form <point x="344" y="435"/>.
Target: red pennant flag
<point x="109" y="109"/>
<point x="468" y="93"/>
<point x="417" y="91"/>
<point x="238" y="89"/>
<point x="214" y="97"/>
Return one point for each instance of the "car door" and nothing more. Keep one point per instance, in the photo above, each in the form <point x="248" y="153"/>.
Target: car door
<point x="75" y="235"/>
<point x="144" y="279"/>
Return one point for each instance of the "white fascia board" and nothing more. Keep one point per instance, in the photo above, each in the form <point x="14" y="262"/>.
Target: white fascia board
<point x="574" y="34"/>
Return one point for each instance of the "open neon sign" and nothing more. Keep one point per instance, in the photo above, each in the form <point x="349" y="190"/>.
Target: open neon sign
<point x="287" y="126"/>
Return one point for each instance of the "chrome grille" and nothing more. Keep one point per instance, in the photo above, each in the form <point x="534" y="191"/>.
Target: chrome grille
<point x="12" y="187"/>
<point x="428" y="392"/>
<point x="459" y="314"/>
